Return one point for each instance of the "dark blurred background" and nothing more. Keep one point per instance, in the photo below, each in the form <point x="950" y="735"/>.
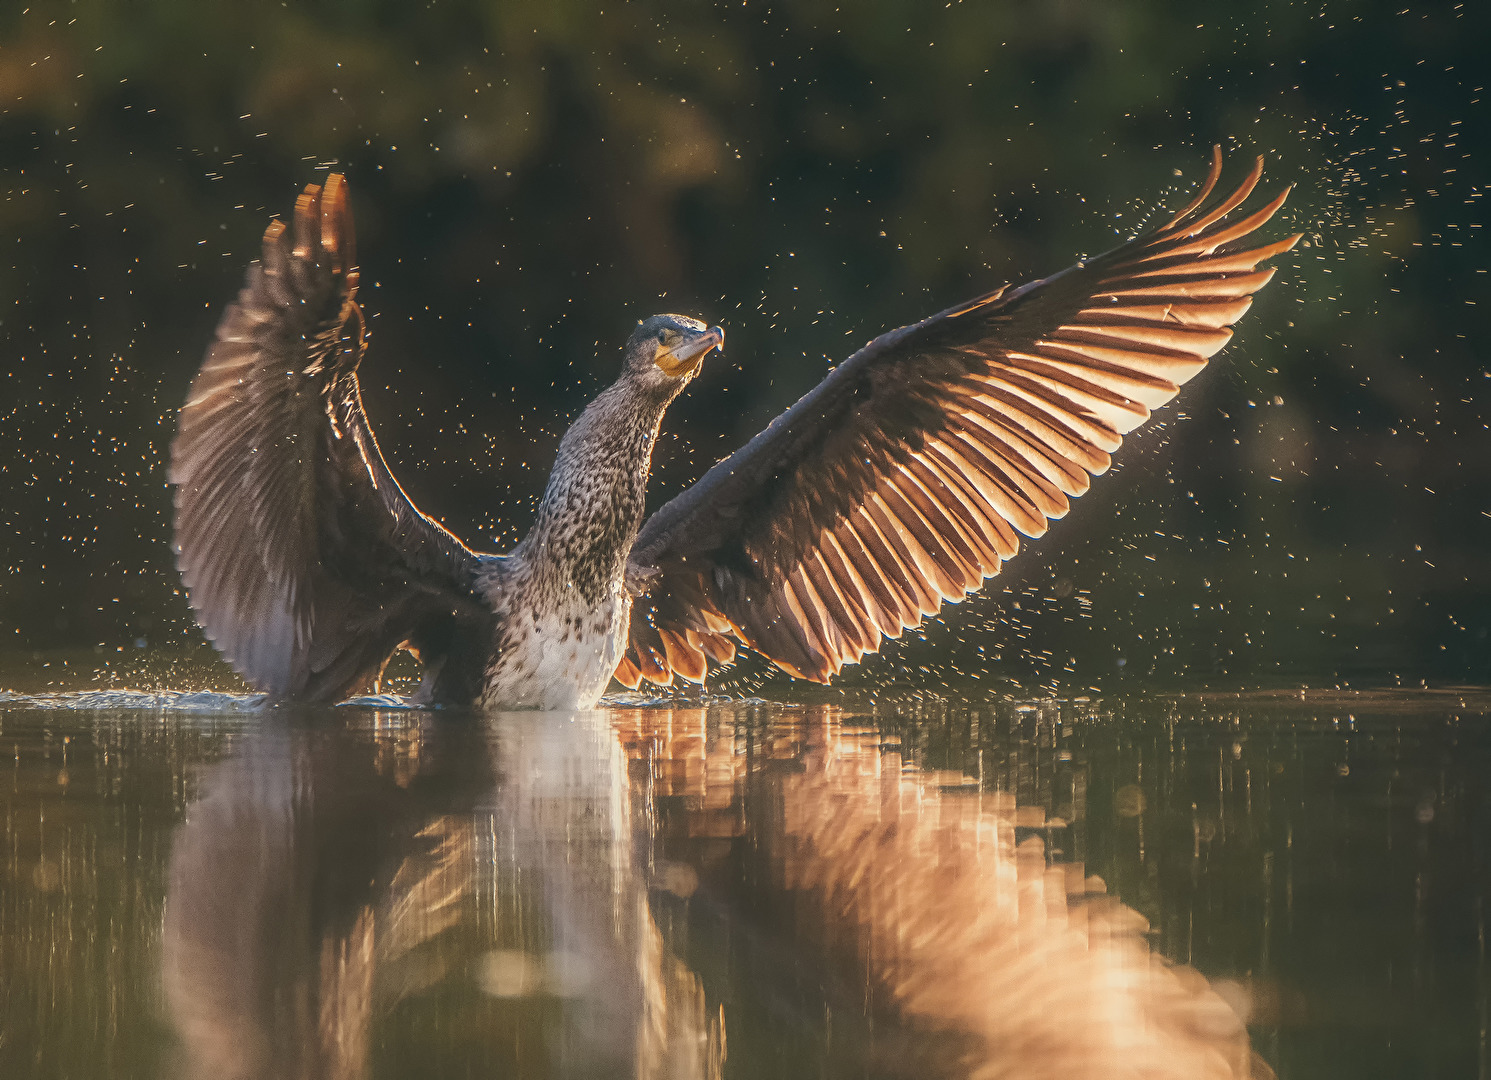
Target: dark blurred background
<point x="528" y="178"/>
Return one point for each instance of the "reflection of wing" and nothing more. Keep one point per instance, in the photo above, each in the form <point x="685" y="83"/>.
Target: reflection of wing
<point x="322" y="878"/>
<point x="974" y="932"/>
<point x="904" y="478"/>
<point x="305" y="561"/>
<point x="993" y="955"/>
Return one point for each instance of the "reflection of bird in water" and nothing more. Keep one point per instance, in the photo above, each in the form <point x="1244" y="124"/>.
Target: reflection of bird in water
<point x="325" y="882"/>
<point x="307" y="867"/>
<point x="492" y="895"/>
<point x="900" y="482"/>
<point x="1029" y="964"/>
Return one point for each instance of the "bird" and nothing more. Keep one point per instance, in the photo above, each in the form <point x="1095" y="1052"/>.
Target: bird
<point x="903" y="480"/>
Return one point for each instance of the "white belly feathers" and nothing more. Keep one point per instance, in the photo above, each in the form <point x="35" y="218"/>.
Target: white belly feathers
<point x="559" y="658"/>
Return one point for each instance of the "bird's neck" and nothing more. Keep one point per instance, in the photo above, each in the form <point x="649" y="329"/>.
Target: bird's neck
<point x="596" y="495"/>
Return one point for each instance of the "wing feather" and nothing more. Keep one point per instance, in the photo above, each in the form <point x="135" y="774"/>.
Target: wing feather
<point x="851" y="620"/>
<point x="893" y="607"/>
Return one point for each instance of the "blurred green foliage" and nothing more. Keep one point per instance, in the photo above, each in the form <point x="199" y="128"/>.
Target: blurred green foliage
<point x="530" y="177"/>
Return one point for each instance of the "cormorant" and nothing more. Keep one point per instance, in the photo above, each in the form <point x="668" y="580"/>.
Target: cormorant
<point x="902" y="480"/>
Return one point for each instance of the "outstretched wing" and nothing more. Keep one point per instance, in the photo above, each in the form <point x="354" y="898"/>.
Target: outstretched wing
<point x="304" y="560"/>
<point x="907" y="476"/>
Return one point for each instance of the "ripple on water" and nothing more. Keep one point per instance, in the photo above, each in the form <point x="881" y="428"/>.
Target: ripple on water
<point x="207" y="701"/>
<point x="385" y="701"/>
<point x="140" y="700"/>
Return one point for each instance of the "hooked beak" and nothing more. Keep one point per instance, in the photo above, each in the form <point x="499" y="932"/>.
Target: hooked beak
<point x="685" y="357"/>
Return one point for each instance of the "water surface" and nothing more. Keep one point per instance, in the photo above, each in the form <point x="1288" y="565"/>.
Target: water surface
<point x="1223" y="885"/>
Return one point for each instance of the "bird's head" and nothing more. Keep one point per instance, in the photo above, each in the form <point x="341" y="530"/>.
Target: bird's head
<point x="666" y="351"/>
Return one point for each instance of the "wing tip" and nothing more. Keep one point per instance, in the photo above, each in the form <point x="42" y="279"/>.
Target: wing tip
<point x="821" y="677"/>
<point x="1186" y="220"/>
<point x="627" y="673"/>
<point x="1213" y="174"/>
<point x="323" y="230"/>
<point x="306" y="215"/>
<point x="338" y="236"/>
